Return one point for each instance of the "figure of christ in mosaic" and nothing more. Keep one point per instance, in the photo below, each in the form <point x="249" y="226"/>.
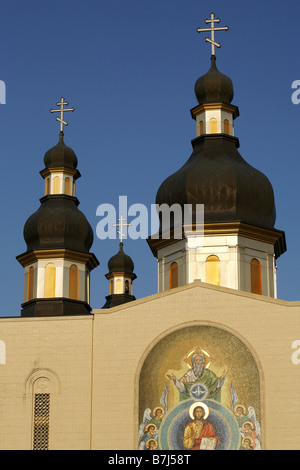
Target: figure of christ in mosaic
<point x="199" y="433"/>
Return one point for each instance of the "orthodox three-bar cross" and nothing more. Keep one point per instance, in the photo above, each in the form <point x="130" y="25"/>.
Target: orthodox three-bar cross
<point x="62" y="110"/>
<point x="212" y="41"/>
<point x="121" y="225"/>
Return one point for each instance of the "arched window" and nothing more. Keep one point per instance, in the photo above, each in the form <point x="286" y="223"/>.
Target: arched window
<point x="73" y="282"/>
<point x="2" y="353"/>
<point x="213" y="270"/>
<point x="226" y="126"/>
<point x="200" y="128"/>
<point x="256" y="286"/>
<point x="50" y="276"/>
<point x="47" y="186"/>
<point x="30" y="280"/>
<point x="127" y="288"/>
<point x="173" y="276"/>
<point x="41" y="414"/>
<point x="88" y="287"/>
<point x="68" y="187"/>
<point x="119" y="284"/>
<point x="213" y="126"/>
<point x="56" y="185"/>
<point x="111" y="287"/>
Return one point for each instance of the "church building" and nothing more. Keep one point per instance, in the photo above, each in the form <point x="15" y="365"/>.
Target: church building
<point x="202" y="364"/>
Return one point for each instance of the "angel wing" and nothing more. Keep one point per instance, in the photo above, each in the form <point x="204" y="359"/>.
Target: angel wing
<point x="252" y="417"/>
<point x="146" y="419"/>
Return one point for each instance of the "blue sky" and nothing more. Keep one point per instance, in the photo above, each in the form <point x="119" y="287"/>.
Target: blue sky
<point x="129" y="69"/>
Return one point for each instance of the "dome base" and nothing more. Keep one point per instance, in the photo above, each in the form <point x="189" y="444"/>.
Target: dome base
<point x="117" y="299"/>
<point x="54" y="308"/>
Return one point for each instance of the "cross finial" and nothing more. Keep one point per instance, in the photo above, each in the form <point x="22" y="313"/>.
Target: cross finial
<point x="212" y="29"/>
<point x="121" y="225"/>
<point x="62" y="110"/>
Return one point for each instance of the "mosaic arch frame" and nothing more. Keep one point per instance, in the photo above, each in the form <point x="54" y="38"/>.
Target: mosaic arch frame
<point x="206" y="366"/>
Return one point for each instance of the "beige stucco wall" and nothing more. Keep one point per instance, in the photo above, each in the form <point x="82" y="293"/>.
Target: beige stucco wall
<point x="94" y="364"/>
<point x="59" y="349"/>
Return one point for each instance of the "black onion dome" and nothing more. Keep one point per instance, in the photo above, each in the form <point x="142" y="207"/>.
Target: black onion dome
<point x="217" y="176"/>
<point x="120" y="263"/>
<point x="60" y="156"/>
<point x="58" y="223"/>
<point x="214" y="87"/>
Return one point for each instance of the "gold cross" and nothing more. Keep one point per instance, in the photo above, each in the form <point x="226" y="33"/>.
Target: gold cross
<point x="121" y="225"/>
<point x="62" y="110"/>
<point x="212" y="41"/>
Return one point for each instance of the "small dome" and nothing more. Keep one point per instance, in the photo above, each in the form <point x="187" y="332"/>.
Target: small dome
<point x="120" y="263"/>
<point x="60" y="156"/>
<point x="214" y="87"/>
<point x="58" y="223"/>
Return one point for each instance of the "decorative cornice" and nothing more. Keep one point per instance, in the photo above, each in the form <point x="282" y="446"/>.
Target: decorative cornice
<point x="270" y="236"/>
<point x="68" y="171"/>
<point x="201" y="108"/>
<point x="220" y="136"/>
<point x="59" y="197"/>
<point x="32" y="256"/>
<point x="120" y="274"/>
